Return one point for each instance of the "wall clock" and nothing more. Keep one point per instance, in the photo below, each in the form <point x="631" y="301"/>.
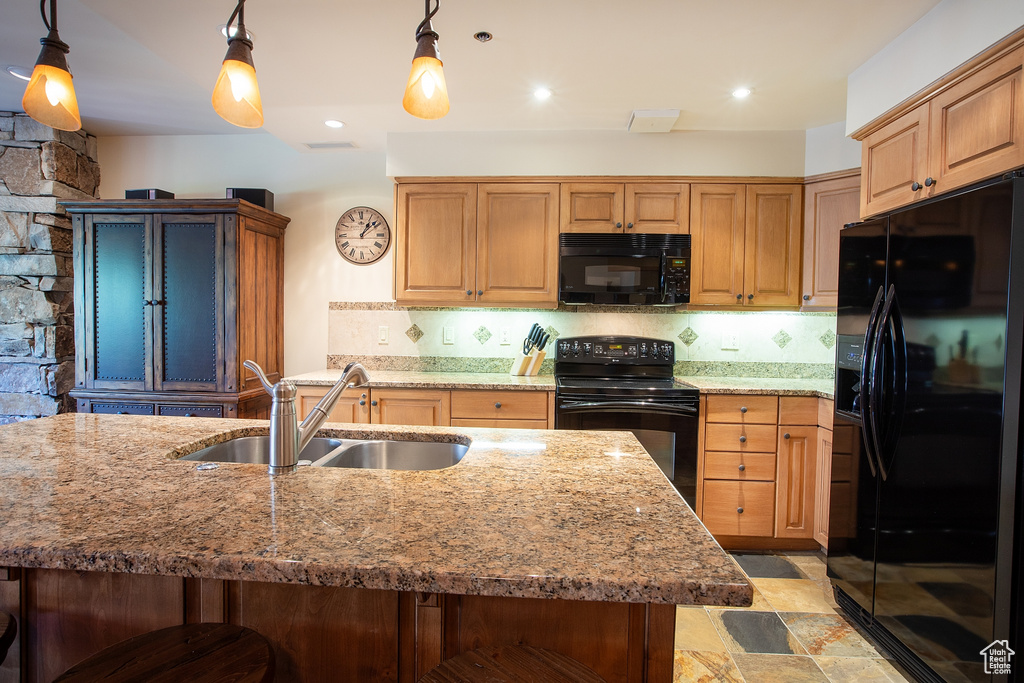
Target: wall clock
<point x="362" y="235"/>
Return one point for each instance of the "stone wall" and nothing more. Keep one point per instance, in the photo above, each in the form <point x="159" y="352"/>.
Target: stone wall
<point x="39" y="166"/>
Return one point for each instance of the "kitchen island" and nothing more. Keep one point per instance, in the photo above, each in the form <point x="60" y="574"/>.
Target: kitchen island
<point x="566" y="540"/>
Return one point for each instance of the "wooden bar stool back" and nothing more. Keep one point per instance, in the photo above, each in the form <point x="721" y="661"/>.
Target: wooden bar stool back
<point x="510" y="664"/>
<point x="198" y="653"/>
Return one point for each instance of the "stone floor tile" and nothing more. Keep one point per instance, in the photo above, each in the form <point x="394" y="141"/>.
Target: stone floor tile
<point x="827" y="634"/>
<point x="704" y="667"/>
<point x="810" y="563"/>
<point x="768" y="566"/>
<point x="858" y="670"/>
<point x="755" y="632"/>
<point x="793" y="595"/>
<point x="779" y="669"/>
<point x="694" y="631"/>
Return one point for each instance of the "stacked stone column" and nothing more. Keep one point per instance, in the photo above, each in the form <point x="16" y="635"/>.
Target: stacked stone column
<point x="39" y="167"/>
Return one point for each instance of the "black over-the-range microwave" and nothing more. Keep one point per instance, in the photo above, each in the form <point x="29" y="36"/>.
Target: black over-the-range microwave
<point x="638" y="269"/>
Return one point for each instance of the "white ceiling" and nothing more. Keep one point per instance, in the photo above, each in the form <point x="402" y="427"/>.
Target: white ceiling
<point x="147" y="68"/>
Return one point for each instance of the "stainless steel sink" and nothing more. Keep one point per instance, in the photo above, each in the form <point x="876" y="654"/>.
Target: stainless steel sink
<point x="324" y="452"/>
<point x="396" y="455"/>
<point x="255" y="450"/>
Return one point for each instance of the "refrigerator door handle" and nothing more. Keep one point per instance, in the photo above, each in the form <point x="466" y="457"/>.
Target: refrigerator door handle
<point x="878" y="383"/>
<point x="897" y="388"/>
<point x="866" y="381"/>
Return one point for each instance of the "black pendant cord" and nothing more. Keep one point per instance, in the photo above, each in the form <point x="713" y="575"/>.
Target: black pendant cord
<point x="426" y="20"/>
<point x="53" y="14"/>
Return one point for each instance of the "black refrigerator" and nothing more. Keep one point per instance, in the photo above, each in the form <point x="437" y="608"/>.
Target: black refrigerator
<point x="925" y="508"/>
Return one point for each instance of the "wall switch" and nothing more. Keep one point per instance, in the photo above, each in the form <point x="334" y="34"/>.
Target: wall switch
<point x="730" y="342"/>
<point x="448" y="335"/>
<point x="506" y="337"/>
<point x="382" y="334"/>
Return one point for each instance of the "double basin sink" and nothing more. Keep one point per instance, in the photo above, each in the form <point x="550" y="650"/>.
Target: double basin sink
<point x="351" y="453"/>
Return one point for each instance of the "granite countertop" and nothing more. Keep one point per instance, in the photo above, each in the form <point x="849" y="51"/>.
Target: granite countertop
<point x="434" y="380"/>
<point x="531" y="513"/>
<point x="822" y="388"/>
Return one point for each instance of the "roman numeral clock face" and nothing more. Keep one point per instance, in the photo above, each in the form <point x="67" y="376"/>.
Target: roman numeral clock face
<point x="362" y="235"/>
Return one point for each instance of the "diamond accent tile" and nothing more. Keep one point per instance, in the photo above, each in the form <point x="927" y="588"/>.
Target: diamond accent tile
<point x="828" y="339"/>
<point x="782" y="338"/>
<point x="552" y="332"/>
<point x="414" y="333"/>
<point x="688" y="336"/>
<point x="482" y="334"/>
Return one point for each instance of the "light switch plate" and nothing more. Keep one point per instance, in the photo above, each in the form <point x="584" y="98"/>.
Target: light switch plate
<point x="448" y="335"/>
<point x="382" y="334"/>
<point x="730" y="342"/>
<point x="505" y="337"/>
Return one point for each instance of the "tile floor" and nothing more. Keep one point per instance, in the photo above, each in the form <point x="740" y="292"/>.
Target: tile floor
<point x="792" y="633"/>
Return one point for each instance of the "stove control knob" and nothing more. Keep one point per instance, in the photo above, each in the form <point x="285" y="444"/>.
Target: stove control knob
<point x="654" y="351"/>
<point x="643" y="349"/>
<point x="563" y="349"/>
<point x="587" y="347"/>
<point x="666" y="351"/>
<point x="576" y="348"/>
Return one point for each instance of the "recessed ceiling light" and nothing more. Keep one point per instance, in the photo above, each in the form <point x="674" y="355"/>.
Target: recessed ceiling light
<point x="740" y="93"/>
<point x="20" y="72"/>
<point x="334" y="123"/>
<point x="483" y="36"/>
<point x="223" y="28"/>
<point x="542" y="94"/>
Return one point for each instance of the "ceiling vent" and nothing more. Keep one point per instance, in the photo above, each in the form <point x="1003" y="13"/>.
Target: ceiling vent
<point x="329" y="145"/>
<point x="652" y="120"/>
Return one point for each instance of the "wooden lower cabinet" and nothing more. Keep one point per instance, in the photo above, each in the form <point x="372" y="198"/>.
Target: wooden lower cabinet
<point x="758" y="469"/>
<point x="422" y="407"/>
<point x="324" y="633"/>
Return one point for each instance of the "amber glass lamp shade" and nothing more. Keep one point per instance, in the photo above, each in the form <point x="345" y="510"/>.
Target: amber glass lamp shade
<point x="236" y="96"/>
<point x="50" y="96"/>
<point x="426" y="93"/>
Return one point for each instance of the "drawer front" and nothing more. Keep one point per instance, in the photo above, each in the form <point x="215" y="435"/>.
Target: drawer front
<point x="191" y="411"/>
<point x="743" y="438"/>
<point x="499" y="424"/>
<point x="741" y="466"/>
<point x="743" y="409"/>
<point x="500" y="405"/>
<point x="123" y="408"/>
<point x="739" y="508"/>
<point x="798" y="410"/>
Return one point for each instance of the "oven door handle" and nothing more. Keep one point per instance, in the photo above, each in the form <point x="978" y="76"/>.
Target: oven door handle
<point x="609" y="406"/>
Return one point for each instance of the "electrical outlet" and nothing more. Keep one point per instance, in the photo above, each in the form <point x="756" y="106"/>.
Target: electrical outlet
<point x="730" y="342"/>
<point x="382" y="334"/>
<point x="448" y="335"/>
<point x="505" y="337"/>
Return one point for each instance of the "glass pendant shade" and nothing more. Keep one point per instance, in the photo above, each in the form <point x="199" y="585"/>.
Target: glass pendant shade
<point x="426" y="93"/>
<point x="50" y="96"/>
<point x="236" y="96"/>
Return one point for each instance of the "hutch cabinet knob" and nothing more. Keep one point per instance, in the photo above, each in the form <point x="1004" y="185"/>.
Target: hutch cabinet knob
<point x="190" y="414"/>
<point x="915" y="186"/>
<point x="743" y="439"/>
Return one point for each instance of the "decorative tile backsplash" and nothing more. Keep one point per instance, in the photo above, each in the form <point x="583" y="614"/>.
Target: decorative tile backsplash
<point x="794" y="344"/>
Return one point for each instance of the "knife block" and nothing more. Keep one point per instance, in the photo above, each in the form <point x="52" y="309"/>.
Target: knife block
<point x="524" y="364"/>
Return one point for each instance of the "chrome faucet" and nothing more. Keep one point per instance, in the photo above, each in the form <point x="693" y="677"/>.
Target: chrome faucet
<point x="287" y="437"/>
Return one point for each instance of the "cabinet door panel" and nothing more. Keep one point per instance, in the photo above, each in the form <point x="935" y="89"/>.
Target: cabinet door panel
<point x="893" y="158"/>
<point x="118" y="319"/>
<point x="517" y="243"/>
<point x="422" y="407"/>
<point x="771" y="273"/>
<point x="435" y="249"/>
<point x="823" y="486"/>
<point x="977" y="125"/>
<point x="828" y="206"/>
<point x="658" y="208"/>
<point x="717" y="217"/>
<point x="591" y="207"/>
<point x="795" y="482"/>
<point x="352" y="406"/>
<point x="189" y="291"/>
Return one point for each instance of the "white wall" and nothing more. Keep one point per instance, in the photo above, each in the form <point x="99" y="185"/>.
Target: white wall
<point x="313" y="189"/>
<point x="828" y="149"/>
<point x="949" y="35"/>
<point x="597" y="152"/>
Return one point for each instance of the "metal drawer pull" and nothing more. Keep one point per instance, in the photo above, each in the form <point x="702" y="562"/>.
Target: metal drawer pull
<point x="742" y="467"/>
<point x="743" y="439"/>
<point x="189" y="414"/>
<point x="743" y="409"/>
<point x="739" y="510"/>
<point x="498" y="404"/>
<point x="786" y="435"/>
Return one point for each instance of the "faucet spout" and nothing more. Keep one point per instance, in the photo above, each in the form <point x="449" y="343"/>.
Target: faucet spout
<point x="354" y="375"/>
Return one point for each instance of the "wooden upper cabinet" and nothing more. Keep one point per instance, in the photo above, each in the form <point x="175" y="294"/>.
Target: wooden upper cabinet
<point x="717" y="223"/>
<point x="894" y="160"/>
<point x="517" y="243"/>
<point x="977" y="126"/>
<point x="771" y="271"/>
<point x="828" y="206"/>
<point x="657" y="208"/>
<point x="591" y="207"/>
<point x="435" y="249"/>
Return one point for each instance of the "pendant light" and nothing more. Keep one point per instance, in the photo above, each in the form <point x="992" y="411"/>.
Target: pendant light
<point x="426" y="94"/>
<point x="50" y="95"/>
<point x="236" y="96"/>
